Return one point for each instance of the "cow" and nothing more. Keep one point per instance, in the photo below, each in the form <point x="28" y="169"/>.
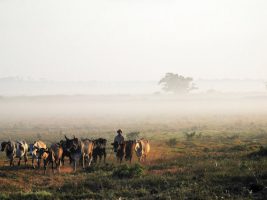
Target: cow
<point x="76" y="150"/>
<point x="88" y="150"/>
<point x="99" y="149"/>
<point x="66" y="153"/>
<point x="142" y="148"/>
<point x="33" y="149"/>
<point x="119" y="149"/>
<point x="52" y="155"/>
<point x="14" y="150"/>
<point x="129" y="149"/>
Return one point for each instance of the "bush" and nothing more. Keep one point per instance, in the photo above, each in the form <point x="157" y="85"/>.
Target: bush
<point x="262" y="152"/>
<point x="132" y="135"/>
<point x="172" y="142"/>
<point x="40" y="195"/>
<point x="190" y="135"/>
<point x="124" y="171"/>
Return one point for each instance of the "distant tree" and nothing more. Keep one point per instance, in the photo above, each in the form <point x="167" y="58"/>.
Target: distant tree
<point x="176" y="83"/>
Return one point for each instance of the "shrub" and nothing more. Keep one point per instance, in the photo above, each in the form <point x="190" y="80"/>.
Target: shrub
<point x="261" y="152"/>
<point x="125" y="171"/>
<point x="172" y="142"/>
<point x="32" y="195"/>
<point x="132" y="135"/>
<point x="190" y="135"/>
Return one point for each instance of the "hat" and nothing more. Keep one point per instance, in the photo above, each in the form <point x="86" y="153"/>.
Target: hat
<point x="119" y="131"/>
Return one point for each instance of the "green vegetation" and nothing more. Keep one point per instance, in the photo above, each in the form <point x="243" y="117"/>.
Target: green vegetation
<point x="172" y="142"/>
<point x="126" y="171"/>
<point x="133" y="135"/>
<point x="228" y="161"/>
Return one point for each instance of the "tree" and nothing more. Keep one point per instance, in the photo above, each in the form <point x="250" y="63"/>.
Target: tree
<point x="176" y="83"/>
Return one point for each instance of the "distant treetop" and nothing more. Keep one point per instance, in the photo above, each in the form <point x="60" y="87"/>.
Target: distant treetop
<point x="176" y="83"/>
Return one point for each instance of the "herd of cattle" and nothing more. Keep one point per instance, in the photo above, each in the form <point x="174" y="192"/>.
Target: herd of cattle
<point x="84" y="151"/>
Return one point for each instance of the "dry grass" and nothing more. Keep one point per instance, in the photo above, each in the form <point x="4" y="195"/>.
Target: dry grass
<point x="215" y="165"/>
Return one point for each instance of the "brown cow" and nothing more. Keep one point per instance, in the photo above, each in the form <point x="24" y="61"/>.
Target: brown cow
<point x="99" y="149"/>
<point x="129" y="149"/>
<point x="88" y="150"/>
<point x="51" y="155"/>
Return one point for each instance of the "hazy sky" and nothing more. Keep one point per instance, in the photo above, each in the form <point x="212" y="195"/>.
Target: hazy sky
<point x="133" y="39"/>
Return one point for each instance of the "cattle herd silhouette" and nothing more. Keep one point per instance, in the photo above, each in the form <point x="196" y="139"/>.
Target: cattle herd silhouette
<point x="79" y="152"/>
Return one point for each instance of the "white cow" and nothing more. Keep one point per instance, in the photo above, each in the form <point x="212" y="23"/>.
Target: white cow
<point x="142" y="148"/>
<point x="14" y="150"/>
<point x="34" y="151"/>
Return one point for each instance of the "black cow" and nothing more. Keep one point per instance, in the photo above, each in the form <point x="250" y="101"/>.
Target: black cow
<point x="76" y="149"/>
<point x="99" y="149"/>
<point x="129" y="149"/>
<point x="66" y="153"/>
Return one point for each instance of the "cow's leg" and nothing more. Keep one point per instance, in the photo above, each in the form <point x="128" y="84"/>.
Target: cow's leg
<point x="45" y="164"/>
<point x="74" y="165"/>
<point x="58" y="165"/>
<point x="53" y="166"/>
<point x="94" y="158"/>
<point x="105" y="156"/>
<point x="11" y="162"/>
<point x="100" y="158"/>
<point x="70" y="160"/>
<point x="90" y="160"/>
<point x="62" y="159"/>
<point x="83" y="161"/>
<point x="33" y="161"/>
<point x="25" y="158"/>
<point x="38" y="162"/>
<point x="19" y="161"/>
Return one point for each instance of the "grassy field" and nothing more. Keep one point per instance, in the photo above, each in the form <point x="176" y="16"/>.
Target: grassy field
<point x="225" y="158"/>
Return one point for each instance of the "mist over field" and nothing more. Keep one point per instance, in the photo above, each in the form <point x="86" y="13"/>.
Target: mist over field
<point x="133" y="99"/>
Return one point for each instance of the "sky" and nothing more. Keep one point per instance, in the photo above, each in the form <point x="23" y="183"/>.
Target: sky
<point x="118" y="40"/>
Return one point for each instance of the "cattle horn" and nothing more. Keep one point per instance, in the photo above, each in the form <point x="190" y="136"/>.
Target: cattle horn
<point x="66" y="137"/>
